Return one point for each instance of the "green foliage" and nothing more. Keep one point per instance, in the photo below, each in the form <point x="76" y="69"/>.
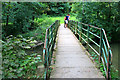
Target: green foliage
<point x="39" y="33"/>
<point x="100" y="65"/>
<point x="44" y="22"/>
<point x="16" y="63"/>
<point x="114" y="73"/>
<point x="101" y="14"/>
<point x="102" y="69"/>
<point x="58" y="9"/>
<point x="21" y="15"/>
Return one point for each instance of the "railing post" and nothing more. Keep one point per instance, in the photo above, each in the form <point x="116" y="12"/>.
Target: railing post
<point x="47" y="52"/>
<point x="108" y="66"/>
<point x="47" y="67"/>
<point x="68" y="24"/>
<point x="45" y="63"/>
<point x="101" y="45"/>
<point x="56" y="29"/>
<point x="73" y="26"/>
<point x="81" y="32"/>
<point x="51" y="52"/>
<point x="77" y="28"/>
<point x="88" y="28"/>
<point x="51" y="33"/>
<point x="56" y="26"/>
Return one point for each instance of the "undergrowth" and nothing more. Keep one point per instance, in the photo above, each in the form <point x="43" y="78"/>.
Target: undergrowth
<point x="16" y="62"/>
<point x="114" y="72"/>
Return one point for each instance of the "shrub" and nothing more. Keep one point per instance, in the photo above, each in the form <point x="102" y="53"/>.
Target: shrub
<point x="16" y="63"/>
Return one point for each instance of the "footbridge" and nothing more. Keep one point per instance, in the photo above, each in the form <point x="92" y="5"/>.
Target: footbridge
<point x="82" y="51"/>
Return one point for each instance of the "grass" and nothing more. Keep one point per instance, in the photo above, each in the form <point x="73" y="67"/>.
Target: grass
<point x="8" y="23"/>
<point x="61" y="18"/>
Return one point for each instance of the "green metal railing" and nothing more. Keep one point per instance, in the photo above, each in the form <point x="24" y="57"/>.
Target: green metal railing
<point x="49" y="44"/>
<point x="88" y="34"/>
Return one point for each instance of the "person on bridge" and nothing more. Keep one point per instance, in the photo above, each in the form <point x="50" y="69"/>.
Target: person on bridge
<point x="66" y="19"/>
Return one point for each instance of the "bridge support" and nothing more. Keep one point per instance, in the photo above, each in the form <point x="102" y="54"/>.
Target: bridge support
<point x="88" y="28"/>
<point x="101" y="45"/>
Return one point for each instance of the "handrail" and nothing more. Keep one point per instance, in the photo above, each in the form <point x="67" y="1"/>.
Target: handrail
<point x="50" y="38"/>
<point x="90" y="34"/>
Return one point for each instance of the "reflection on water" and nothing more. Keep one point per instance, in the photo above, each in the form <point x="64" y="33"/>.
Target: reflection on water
<point x="115" y="51"/>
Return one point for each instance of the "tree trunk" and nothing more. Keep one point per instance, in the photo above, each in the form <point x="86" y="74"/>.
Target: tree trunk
<point x="7" y="21"/>
<point x="97" y="14"/>
<point x="32" y="24"/>
<point x="109" y="16"/>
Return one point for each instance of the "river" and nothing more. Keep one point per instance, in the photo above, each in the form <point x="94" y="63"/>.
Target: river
<point x="116" y="53"/>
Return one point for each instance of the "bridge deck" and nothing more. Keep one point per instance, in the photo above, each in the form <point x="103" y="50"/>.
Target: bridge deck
<point x="71" y="59"/>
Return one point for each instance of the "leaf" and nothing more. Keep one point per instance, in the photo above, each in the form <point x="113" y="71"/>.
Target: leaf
<point x="21" y="52"/>
<point x="32" y="44"/>
<point x="34" y="67"/>
<point x="33" y="41"/>
<point x="11" y="75"/>
<point x="27" y="47"/>
<point x="37" y="57"/>
<point x="19" y="74"/>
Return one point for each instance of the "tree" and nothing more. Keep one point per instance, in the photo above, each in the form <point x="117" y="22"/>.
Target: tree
<point x="101" y="14"/>
<point x="19" y="16"/>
